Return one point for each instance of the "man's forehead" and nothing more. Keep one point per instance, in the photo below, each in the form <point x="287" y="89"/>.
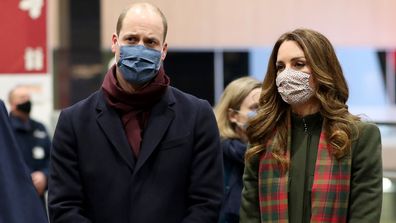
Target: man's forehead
<point x="20" y="92"/>
<point x="143" y="12"/>
<point x="142" y="19"/>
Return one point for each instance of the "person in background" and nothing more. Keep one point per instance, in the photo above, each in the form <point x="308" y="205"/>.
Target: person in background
<point x="237" y="104"/>
<point x="137" y="150"/>
<point x="19" y="202"/>
<point x="310" y="159"/>
<point x="32" y="137"/>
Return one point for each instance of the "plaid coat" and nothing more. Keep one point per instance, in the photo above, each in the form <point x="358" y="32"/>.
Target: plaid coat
<point x="345" y="191"/>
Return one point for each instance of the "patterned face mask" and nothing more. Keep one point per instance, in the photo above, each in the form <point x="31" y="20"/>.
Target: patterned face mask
<point x="293" y="86"/>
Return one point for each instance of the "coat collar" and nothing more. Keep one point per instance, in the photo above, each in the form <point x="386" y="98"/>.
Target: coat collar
<point x="159" y="120"/>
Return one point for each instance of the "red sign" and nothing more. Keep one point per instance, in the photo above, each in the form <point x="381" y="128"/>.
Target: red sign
<point x="23" y="38"/>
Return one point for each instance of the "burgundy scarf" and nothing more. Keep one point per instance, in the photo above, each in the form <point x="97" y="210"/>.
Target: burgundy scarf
<point x="134" y="108"/>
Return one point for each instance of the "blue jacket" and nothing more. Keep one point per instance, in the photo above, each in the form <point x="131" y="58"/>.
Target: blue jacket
<point x="233" y="154"/>
<point x="34" y="141"/>
<point x="19" y="202"/>
<point x="177" y="177"/>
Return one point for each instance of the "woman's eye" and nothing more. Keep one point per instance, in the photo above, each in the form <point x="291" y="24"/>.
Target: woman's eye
<point x="254" y="107"/>
<point x="300" y="64"/>
<point x="279" y="67"/>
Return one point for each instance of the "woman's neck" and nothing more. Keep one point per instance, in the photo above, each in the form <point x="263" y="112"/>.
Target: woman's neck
<point x="308" y="108"/>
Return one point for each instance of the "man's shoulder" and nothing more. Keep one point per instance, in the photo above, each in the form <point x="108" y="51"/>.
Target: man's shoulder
<point x="85" y="104"/>
<point x="184" y="97"/>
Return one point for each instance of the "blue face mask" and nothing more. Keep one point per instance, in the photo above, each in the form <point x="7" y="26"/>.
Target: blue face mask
<point x="139" y="64"/>
<point x="251" y="114"/>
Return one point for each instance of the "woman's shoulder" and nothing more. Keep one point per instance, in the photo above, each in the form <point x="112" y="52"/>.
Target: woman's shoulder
<point x="368" y="138"/>
<point x="227" y="141"/>
<point x="366" y="128"/>
<point x="233" y="146"/>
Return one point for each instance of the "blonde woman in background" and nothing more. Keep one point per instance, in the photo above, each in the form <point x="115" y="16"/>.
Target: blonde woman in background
<point x="237" y="104"/>
<point x="310" y="159"/>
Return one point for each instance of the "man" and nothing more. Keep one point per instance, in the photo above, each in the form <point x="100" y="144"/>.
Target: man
<point x="137" y="150"/>
<point x="19" y="202"/>
<point x="31" y="136"/>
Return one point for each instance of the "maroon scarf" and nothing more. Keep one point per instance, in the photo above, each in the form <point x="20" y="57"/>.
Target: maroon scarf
<point x="134" y="108"/>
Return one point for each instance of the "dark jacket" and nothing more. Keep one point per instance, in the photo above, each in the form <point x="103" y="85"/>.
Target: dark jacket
<point x="19" y="202"/>
<point x="233" y="154"/>
<point x="177" y="177"/>
<point x="34" y="141"/>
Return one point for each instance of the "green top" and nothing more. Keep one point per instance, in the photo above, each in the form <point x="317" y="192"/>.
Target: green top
<point x="366" y="175"/>
<point x="304" y="148"/>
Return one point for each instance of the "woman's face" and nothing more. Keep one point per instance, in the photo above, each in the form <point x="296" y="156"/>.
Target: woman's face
<point x="291" y="56"/>
<point x="249" y="104"/>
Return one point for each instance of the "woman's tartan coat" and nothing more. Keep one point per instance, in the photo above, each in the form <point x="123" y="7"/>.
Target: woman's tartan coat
<point x="264" y="197"/>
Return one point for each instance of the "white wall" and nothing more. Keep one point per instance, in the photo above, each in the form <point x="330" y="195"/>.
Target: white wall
<point x="241" y="23"/>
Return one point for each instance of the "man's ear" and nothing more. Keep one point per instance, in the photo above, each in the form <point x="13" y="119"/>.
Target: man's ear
<point x="164" y="51"/>
<point x="114" y="40"/>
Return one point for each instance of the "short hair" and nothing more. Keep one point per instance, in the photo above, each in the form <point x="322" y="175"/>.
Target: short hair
<point x="232" y="98"/>
<point x="121" y="17"/>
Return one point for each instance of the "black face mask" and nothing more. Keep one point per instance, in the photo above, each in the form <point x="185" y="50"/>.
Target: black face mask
<point x="25" y="107"/>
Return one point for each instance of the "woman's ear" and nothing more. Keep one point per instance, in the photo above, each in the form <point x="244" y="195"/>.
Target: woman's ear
<point x="232" y="115"/>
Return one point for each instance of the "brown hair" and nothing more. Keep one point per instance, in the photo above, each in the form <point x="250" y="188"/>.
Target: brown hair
<point x="331" y="92"/>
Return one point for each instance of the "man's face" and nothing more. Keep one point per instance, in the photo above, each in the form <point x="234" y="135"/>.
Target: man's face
<point x="19" y="96"/>
<point x="141" y="26"/>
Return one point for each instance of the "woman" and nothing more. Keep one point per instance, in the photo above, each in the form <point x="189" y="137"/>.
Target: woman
<point x="310" y="159"/>
<point x="238" y="102"/>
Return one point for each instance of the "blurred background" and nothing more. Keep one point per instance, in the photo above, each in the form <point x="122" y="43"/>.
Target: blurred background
<point x="61" y="49"/>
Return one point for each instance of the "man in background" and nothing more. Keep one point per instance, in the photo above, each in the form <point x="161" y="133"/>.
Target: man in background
<point x="31" y="136"/>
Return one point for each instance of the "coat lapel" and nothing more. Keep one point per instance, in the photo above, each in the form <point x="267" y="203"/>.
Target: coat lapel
<point x="160" y="118"/>
<point x="111" y="125"/>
